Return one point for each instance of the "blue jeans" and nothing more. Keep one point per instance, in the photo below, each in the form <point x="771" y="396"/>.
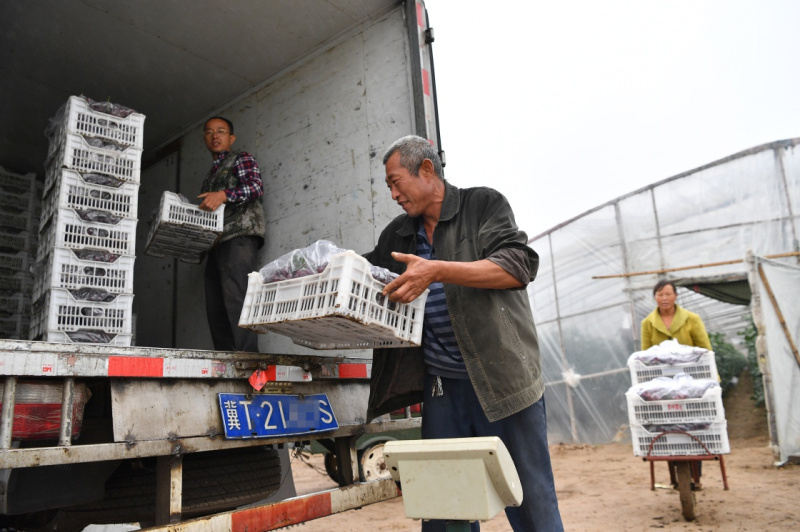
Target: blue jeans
<point x="458" y="414"/>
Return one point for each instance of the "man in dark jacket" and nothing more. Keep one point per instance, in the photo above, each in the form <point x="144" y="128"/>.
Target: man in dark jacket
<point x="235" y="180"/>
<point x="478" y="369"/>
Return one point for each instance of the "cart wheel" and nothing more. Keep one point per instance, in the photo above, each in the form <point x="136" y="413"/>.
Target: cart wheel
<point x="684" y="474"/>
<point x="373" y="466"/>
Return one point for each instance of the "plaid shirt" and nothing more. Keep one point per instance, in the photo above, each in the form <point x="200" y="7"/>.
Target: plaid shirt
<point x="246" y="170"/>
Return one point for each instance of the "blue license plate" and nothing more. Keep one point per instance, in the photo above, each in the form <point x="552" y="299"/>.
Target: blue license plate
<point x="264" y="415"/>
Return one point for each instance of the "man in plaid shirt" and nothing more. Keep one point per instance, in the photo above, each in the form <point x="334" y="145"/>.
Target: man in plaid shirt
<point x="234" y="180"/>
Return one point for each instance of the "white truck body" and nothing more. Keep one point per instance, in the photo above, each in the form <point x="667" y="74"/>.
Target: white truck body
<point x="318" y="128"/>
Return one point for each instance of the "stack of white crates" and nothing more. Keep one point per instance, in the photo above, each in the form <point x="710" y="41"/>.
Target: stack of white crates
<point x="699" y="423"/>
<point x="20" y="208"/>
<point x="83" y="289"/>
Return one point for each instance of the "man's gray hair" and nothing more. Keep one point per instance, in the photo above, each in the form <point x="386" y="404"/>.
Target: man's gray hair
<point x="413" y="150"/>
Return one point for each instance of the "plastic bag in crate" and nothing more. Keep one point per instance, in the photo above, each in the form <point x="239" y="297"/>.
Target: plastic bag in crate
<point x="340" y="308"/>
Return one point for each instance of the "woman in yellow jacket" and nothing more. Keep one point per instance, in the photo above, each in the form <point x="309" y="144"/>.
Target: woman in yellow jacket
<point x="670" y="321"/>
<point x="667" y="322"/>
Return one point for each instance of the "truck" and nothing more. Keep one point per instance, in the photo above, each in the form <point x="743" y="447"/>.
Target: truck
<point x="317" y="91"/>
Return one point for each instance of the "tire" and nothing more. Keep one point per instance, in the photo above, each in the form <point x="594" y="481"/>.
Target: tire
<point x="331" y="468"/>
<point x="688" y="501"/>
<point x="213" y="481"/>
<point x="371" y="464"/>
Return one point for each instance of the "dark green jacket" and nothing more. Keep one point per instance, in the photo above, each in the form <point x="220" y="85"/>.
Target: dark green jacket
<point x="240" y="219"/>
<point x="494" y="328"/>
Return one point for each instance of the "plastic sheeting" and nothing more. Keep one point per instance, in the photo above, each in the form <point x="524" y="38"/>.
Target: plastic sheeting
<point x="597" y="271"/>
<point x="783" y="281"/>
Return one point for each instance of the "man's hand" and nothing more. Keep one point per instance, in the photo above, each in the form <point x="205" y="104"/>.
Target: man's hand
<point x="419" y="274"/>
<point x="212" y="200"/>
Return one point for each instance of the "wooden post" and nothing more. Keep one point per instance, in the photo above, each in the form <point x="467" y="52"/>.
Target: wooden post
<point x="7" y="416"/>
<point x="67" y="406"/>
<point x="169" y="489"/>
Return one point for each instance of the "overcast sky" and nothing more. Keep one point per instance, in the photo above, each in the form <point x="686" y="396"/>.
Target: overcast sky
<point x="564" y="105"/>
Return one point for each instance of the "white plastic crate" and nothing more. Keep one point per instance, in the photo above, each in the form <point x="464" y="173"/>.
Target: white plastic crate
<point x="18" y="183"/>
<point x="74" y="153"/>
<point x="15" y="305"/>
<point x="708" y="408"/>
<point x="21" y="202"/>
<point x="16" y="283"/>
<point x="72" y="192"/>
<point x="58" y="311"/>
<point x="11" y="263"/>
<point x="340" y="308"/>
<point x="84" y="337"/>
<point x="63" y="269"/>
<point x="704" y="368"/>
<point x="81" y="119"/>
<point x="14" y="223"/>
<point x="14" y="243"/>
<point x="67" y="230"/>
<point x="15" y="327"/>
<point x="53" y="175"/>
<point x="183" y="230"/>
<point x="712" y="440"/>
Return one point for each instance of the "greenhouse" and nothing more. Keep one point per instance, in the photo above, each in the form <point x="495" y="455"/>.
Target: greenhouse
<point x="719" y="232"/>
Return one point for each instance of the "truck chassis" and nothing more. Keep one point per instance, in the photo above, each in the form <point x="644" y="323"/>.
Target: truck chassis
<point x="175" y="376"/>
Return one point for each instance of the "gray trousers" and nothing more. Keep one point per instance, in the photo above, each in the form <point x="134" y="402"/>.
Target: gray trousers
<point x="227" y="267"/>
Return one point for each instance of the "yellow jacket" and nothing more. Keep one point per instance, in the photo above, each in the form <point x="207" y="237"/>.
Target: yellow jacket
<point x="687" y="328"/>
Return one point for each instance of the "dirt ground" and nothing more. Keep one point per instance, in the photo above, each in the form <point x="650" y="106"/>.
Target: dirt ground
<point x="605" y="487"/>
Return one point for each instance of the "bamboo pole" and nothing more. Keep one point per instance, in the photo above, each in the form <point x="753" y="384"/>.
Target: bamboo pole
<point x="680" y="268"/>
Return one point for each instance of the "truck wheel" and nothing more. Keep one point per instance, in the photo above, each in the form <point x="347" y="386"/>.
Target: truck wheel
<point x="241" y="476"/>
<point x="372" y="465"/>
<point x="213" y="481"/>
<point x="330" y="467"/>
